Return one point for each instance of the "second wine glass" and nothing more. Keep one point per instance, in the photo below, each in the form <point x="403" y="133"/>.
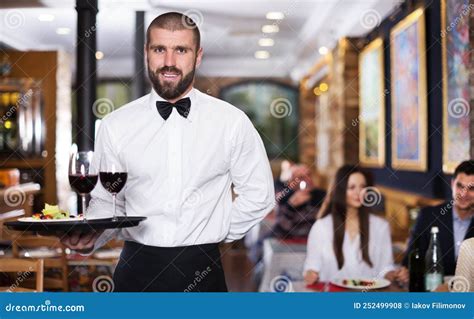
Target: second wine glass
<point x="113" y="176"/>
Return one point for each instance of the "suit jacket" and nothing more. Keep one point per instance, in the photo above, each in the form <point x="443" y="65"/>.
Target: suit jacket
<point x="441" y="216"/>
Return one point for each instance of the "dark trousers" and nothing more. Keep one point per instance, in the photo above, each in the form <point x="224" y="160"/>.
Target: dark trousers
<point x="169" y="269"/>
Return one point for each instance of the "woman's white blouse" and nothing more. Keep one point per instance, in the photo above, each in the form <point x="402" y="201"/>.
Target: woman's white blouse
<point x="321" y="258"/>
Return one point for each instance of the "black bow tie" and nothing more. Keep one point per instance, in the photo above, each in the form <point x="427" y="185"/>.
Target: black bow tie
<point x="182" y="106"/>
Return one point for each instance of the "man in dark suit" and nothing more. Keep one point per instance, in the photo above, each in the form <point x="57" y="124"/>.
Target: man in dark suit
<point x="454" y="219"/>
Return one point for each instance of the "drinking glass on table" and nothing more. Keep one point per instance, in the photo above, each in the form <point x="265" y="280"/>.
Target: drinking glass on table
<point x="113" y="176"/>
<point x="82" y="176"/>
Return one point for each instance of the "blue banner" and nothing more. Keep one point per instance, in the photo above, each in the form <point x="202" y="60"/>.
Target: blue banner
<point x="237" y="305"/>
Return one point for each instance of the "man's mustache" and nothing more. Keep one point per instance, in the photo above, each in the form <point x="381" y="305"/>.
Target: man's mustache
<point x="169" y="69"/>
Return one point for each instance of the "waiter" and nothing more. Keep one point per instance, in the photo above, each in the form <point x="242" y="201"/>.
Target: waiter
<point x="183" y="149"/>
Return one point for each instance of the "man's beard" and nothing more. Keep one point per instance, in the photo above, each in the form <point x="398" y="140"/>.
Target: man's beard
<point x="168" y="90"/>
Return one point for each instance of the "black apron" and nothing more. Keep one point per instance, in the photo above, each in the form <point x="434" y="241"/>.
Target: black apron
<point x="169" y="269"/>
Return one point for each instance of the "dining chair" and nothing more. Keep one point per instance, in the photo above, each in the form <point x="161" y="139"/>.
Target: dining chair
<point x="26" y="267"/>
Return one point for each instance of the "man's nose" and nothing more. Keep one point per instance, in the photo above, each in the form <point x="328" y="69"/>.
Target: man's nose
<point x="170" y="59"/>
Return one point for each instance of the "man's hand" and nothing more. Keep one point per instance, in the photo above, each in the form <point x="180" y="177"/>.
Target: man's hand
<point x="83" y="243"/>
<point x="299" y="198"/>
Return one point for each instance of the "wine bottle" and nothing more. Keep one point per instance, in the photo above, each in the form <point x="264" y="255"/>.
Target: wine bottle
<point x="416" y="266"/>
<point x="434" y="267"/>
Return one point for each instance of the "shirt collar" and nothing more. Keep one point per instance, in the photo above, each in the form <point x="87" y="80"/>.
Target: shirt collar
<point x="457" y="219"/>
<point x="154" y="97"/>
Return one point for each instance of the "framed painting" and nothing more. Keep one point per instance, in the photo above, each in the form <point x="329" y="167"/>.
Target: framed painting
<point x="455" y="54"/>
<point x="408" y="96"/>
<point x="372" y="105"/>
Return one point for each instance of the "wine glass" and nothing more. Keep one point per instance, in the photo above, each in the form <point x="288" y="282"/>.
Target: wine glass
<point x="113" y="176"/>
<point x="82" y="176"/>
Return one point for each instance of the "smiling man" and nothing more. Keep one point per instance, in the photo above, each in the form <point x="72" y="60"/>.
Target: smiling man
<point x="183" y="150"/>
<point x="455" y="221"/>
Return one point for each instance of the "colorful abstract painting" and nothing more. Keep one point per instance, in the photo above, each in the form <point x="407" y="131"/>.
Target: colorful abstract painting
<point x="409" y="105"/>
<point x="456" y="109"/>
<point x="372" y="105"/>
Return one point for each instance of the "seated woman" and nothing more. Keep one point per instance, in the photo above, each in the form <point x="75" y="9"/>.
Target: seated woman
<point x="464" y="266"/>
<point x="348" y="241"/>
<point x="463" y="280"/>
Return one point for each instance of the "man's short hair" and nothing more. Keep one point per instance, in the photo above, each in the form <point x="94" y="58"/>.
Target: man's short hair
<point x="173" y="21"/>
<point x="466" y="167"/>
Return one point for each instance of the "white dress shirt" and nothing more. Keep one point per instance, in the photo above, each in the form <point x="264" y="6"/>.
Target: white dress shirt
<point x="180" y="172"/>
<point x="321" y="258"/>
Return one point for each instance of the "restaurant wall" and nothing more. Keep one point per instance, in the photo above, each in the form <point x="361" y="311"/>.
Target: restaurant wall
<point x="471" y="78"/>
<point x="433" y="182"/>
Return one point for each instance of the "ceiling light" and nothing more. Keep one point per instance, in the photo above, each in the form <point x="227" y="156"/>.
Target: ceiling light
<point x="323" y="87"/>
<point x="275" y="15"/>
<point x="99" y="55"/>
<point x="46" y="17"/>
<point x="323" y="50"/>
<point x="262" y="54"/>
<point x="270" y="28"/>
<point x="266" y="42"/>
<point x="63" y="31"/>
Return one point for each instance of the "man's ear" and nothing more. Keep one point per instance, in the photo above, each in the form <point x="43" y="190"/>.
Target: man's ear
<point x="199" y="57"/>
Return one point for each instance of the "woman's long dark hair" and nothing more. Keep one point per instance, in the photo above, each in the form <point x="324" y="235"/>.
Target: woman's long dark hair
<point x="336" y="206"/>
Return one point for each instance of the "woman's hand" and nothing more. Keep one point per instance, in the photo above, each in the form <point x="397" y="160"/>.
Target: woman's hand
<point x="311" y="277"/>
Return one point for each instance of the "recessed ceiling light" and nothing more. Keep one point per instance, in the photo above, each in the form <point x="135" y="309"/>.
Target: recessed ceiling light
<point x="46" y="17"/>
<point x="323" y="50"/>
<point x="266" y="42"/>
<point x="63" y="31"/>
<point x="275" y="15"/>
<point x="99" y="55"/>
<point x="270" y="28"/>
<point x="262" y="54"/>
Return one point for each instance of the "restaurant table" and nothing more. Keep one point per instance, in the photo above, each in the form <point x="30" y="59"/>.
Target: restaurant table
<point x="282" y="258"/>
<point x="300" y="286"/>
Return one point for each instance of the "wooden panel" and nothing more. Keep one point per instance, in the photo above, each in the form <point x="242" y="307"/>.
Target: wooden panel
<point x="42" y="67"/>
<point x="397" y="207"/>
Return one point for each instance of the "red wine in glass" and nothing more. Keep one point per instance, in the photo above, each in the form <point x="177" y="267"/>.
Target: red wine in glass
<point x="113" y="182"/>
<point x="82" y="176"/>
<point x="113" y="176"/>
<point x="83" y="184"/>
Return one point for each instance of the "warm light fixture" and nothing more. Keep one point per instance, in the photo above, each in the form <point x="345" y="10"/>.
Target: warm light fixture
<point x="46" y="17"/>
<point x="270" y="28"/>
<point x="323" y="50"/>
<point x="323" y="87"/>
<point x="266" y="42"/>
<point x="275" y="15"/>
<point x="317" y="91"/>
<point x="63" y="31"/>
<point x="99" y="55"/>
<point x="262" y="54"/>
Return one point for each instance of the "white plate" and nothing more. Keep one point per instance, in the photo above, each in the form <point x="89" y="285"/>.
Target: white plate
<point x="378" y="283"/>
<point x="70" y="219"/>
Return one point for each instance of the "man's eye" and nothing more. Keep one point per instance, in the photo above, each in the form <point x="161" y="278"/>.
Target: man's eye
<point x="159" y="50"/>
<point x="181" y="50"/>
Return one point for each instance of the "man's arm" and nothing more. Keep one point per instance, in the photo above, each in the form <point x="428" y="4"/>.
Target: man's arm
<point x="252" y="179"/>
